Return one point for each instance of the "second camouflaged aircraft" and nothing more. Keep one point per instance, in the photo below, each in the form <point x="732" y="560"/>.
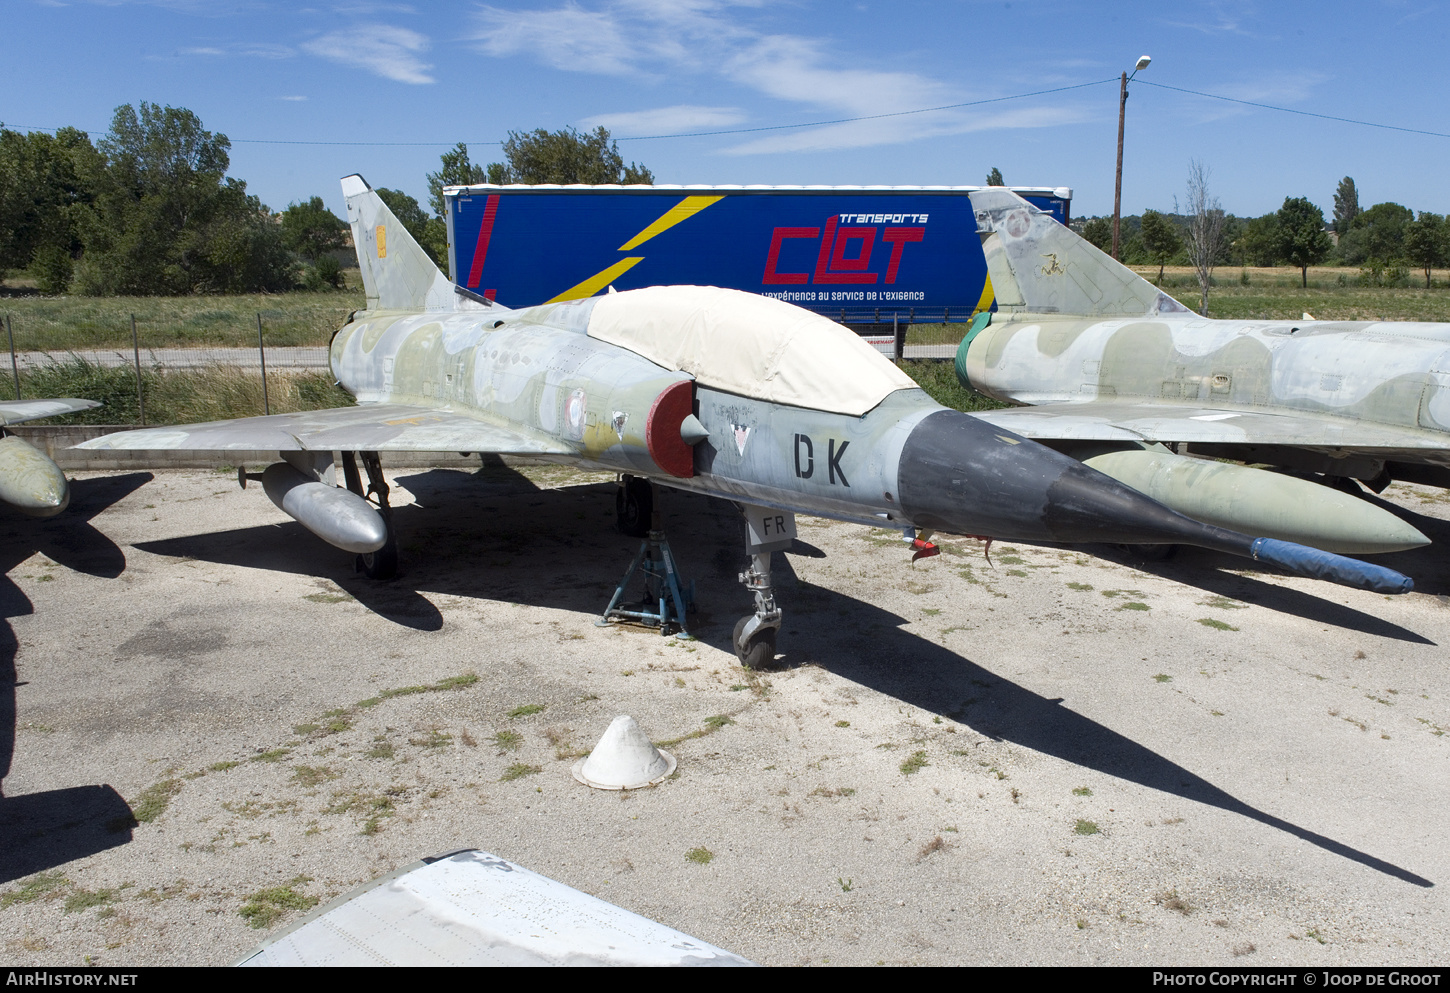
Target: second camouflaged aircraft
<point x="1115" y="371"/>
<point x="710" y="390"/>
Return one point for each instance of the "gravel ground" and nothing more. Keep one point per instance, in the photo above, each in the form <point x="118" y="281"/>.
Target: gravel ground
<point x="1064" y="756"/>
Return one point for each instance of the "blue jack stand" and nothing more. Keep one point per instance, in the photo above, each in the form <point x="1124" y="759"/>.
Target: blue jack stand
<point x="661" y="584"/>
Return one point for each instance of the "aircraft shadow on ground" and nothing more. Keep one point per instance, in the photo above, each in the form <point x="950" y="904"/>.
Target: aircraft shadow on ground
<point x="494" y="535"/>
<point x="44" y="830"/>
<point x="69" y="540"/>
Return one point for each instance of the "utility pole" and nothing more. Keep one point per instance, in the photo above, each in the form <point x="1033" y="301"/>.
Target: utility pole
<point x="1118" y="181"/>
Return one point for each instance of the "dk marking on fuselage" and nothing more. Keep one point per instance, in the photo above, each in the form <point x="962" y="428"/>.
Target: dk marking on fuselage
<point x="703" y="389"/>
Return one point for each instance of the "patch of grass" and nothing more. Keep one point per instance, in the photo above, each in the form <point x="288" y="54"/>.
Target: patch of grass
<point x="843" y="724"/>
<point x="85" y="899"/>
<point x="442" y="686"/>
<point x="1134" y="605"/>
<point x="153" y="801"/>
<point x="275" y="755"/>
<point x="1217" y="625"/>
<point x="527" y="710"/>
<point x="264" y="907"/>
<point x="222" y="766"/>
<point x="1086" y="827"/>
<point x="433" y="739"/>
<point x="914" y="763"/>
<point x="518" y="771"/>
<point x="712" y="724"/>
<point x="312" y="775"/>
<point x="1082" y="791"/>
<point x="380" y="750"/>
<point x="33" y="889"/>
<point x="1223" y="603"/>
<point x="700" y="856"/>
<point x="1080" y="587"/>
<point x="328" y="597"/>
<point x="1163" y="677"/>
<point x="508" y="741"/>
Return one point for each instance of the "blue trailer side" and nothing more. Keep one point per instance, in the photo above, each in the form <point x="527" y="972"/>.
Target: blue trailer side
<point x="857" y="255"/>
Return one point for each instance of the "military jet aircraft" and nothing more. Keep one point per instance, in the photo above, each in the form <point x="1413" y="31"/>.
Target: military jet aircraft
<point x="1116" y="371"/>
<point x="713" y="391"/>
<point x="29" y="481"/>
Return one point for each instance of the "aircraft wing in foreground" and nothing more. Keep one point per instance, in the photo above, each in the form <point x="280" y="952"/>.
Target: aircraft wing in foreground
<point x="29" y="481"/>
<point x="1124" y="377"/>
<point x="714" y="391"/>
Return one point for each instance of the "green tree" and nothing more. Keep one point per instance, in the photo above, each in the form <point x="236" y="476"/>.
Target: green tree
<point x="1099" y="232"/>
<point x="1427" y="242"/>
<point x="1376" y="233"/>
<point x="429" y="232"/>
<point x="565" y="156"/>
<point x="45" y="181"/>
<point x="1160" y="239"/>
<point x="456" y="171"/>
<point x="994" y="178"/>
<point x="1302" y="240"/>
<point x="166" y="220"/>
<point x="314" y="233"/>
<point x="1259" y="242"/>
<point x="1346" y="205"/>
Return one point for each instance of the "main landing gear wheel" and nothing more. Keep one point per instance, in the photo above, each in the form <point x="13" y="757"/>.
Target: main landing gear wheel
<point x="634" y="504"/>
<point x="760" y="652"/>
<point x="382" y="564"/>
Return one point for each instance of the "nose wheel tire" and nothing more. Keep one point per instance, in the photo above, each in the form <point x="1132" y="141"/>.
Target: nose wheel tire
<point x="760" y="652"/>
<point x="634" y="507"/>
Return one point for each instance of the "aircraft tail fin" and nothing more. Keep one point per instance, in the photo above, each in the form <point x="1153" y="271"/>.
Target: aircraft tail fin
<point x="1038" y="266"/>
<point x="397" y="274"/>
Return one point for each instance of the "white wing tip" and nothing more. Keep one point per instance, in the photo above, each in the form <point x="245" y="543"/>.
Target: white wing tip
<point x="353" y="185"/>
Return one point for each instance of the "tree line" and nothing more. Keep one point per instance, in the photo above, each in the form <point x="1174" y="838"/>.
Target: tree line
<point x="149" y="210"/>
<point x="1385" y="240"/>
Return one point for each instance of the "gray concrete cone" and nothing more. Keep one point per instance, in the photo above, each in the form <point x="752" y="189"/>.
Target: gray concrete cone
<point x="624" y="759"/>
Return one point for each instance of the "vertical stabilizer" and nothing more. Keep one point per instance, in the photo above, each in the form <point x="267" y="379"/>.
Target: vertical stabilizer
<point x="1038" y="266"/>
<point x="397" y="274"/>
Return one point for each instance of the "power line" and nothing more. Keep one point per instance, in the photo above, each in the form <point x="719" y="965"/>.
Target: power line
<point x="1291" y="110"/>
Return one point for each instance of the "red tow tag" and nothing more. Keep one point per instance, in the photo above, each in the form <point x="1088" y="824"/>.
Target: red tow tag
<point x="924" y="549"/>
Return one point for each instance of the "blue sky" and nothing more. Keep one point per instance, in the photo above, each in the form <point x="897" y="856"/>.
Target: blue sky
<point x="265" y="73"/>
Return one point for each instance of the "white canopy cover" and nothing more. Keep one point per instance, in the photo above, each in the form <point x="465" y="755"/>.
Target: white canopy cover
<point x="751" y="345"/>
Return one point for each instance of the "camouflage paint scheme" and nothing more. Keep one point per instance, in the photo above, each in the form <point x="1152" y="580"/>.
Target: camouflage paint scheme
<point x="436" y="368"/>
<point x="1129" y="363"/>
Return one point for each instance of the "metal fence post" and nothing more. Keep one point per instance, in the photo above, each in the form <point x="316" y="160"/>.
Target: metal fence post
<point x="262" y="357"/>
<point x="14" y="363"/>
<point x="898" y="338"/>
<point x="136" y="354"/>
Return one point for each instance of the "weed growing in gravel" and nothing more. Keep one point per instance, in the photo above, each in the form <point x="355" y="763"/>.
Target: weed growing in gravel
<point x="700" y="856"/>
<point x="518" y="771"/>
<point x="85" y="899"/>
<point x="1087" y="827"/>
<point x="312" y="775"/>
<point x="275" y="755"/>
<point x="433" y="739"/>
<point x="936" y="844"/>
<point x="1163" y="677"/>
<point x="527" y="710"/>
<point x="508" y="741"/>
<point x="1217" y="625"/>
<point x="1082" y="791"/>
<point x="264" y="907"/>
<point x="154" y="800"/>
<point x="914" y="764"/>
<point x="712" y="724"/>
<point x="381" y="750"/>
<point x="33" y="889"/>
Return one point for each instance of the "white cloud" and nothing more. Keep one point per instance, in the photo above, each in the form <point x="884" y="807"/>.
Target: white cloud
<point x="895" y="130"/>
<point x="648" y="39"/>
<point x="292" y="98"/>
<point x="382" y="49"/>
<point x="667" y="120"/>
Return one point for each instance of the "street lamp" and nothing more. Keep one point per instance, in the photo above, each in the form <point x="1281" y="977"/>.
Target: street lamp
<point x="1143" y="62"/>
